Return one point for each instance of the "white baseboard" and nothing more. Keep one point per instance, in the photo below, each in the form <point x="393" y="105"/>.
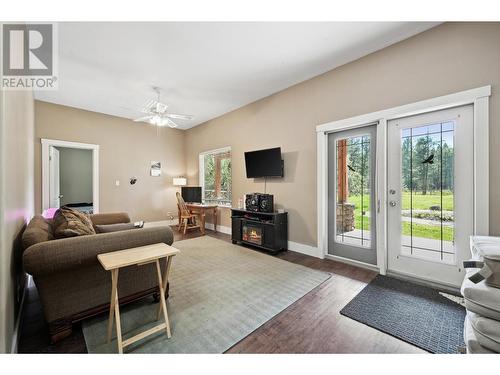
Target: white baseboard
<point x="159" y="223"/>
<point x="304" y="249"/>
<point x="293" y="246"/>
<point x="220" y="228"/>
<point x="210" y="226"/>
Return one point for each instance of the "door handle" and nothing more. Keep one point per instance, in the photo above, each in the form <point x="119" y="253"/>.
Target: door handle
<point x="393" y="203"/>
<point x="60" y="196"/>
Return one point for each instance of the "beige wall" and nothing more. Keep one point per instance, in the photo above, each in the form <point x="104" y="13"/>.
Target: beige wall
<point x="16" y="202"/>
<point x="126" y="150"/>
<point x="75" y="175"/>
<point x="449" y="58"/>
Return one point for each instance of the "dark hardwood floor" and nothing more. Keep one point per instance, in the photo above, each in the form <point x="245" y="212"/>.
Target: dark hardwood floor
<point x="310" y="325"/>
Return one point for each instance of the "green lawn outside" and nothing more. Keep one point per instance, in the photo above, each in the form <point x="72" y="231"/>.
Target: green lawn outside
<point x="420" y="202"/>
<point x="424" y="202"/>
<point x="428" y="231"/>
<point x="356" y="200"/>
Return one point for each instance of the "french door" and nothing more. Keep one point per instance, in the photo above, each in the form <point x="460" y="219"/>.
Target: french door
<point x="430" y="174"/>
<point x="351" y="198"/>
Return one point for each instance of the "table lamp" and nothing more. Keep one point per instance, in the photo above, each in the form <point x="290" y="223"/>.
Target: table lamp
<point x="180" y="181"/>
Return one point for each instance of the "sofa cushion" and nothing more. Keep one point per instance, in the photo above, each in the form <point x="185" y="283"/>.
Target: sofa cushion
<point x="110" y="218"/>
<point x="38" y="230"/>
<point x="487" y="331"/>
<point x="71" y="223"/>
<point x="114" y="227"/>
<point x="471" y="340"/>
<point x="487" y="249"/>
<point x="481" y="299"/>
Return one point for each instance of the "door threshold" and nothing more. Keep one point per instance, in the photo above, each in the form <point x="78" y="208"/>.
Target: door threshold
<point x="353" y="262"/>
<point x="453" y="289"/>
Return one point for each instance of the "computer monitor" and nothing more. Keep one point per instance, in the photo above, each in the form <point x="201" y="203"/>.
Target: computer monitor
<point x="191" y="194"/>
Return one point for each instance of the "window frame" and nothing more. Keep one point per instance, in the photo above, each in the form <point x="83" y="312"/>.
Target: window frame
<point x="201" y="171"/>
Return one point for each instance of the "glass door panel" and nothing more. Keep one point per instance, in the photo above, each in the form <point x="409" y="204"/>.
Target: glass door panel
<point x="351" y="174"/>
<point x="430" y="174"/>
<point x="353" y="191"/>
<point x="427" y="192"/>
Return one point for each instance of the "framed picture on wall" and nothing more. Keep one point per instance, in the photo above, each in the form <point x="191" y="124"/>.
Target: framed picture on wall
<point x="155" y="168"/>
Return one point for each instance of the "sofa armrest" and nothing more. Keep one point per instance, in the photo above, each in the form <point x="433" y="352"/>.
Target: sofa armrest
<point x="69" y="253"/>
<point x="110" y="218"/>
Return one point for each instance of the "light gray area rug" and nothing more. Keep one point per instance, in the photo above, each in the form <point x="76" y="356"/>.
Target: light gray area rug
<point x="219" y="294"/>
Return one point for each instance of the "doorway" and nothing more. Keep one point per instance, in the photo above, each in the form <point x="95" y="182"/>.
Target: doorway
<point x="70" y="172"/>
<point x="70" y="175"/>
<point x="431" y="194"/>
<point x="351" y="194"/>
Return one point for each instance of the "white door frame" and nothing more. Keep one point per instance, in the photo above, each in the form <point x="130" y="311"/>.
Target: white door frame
<point x="46" y="143"/>
<point x="478" y="97"/>
<point x="54" y="185"/>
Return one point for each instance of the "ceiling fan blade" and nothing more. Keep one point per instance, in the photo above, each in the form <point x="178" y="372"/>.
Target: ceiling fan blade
<point x="149" y="105"/>
<point x="143" y="119"/>
<point x="180" y="117"/>
<point x="171" y="123"/>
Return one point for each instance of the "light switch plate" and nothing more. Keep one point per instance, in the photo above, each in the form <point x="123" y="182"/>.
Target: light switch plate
<point x="117" y="182"/>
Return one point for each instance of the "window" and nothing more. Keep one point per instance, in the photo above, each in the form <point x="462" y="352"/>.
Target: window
<point x="215" y="176"/>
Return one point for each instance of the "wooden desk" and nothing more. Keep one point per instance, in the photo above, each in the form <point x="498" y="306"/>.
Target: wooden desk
<point x="137" y="256"/>
<point x="202" y="209"/>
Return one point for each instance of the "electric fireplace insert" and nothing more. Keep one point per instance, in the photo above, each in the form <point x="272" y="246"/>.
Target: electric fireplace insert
<point x="252" y="234"/>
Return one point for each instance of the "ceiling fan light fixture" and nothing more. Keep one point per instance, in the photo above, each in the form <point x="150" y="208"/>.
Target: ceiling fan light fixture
<point x="153" y="120"/>
<point x="157" y="113"/>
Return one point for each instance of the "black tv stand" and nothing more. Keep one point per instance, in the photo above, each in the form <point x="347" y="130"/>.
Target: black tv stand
<point x="265" y="230"/>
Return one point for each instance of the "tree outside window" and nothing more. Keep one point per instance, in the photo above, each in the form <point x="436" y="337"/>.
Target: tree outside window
<point x="217" y="177"/>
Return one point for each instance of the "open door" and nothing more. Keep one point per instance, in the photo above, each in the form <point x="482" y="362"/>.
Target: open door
<point x="351" y="194"/>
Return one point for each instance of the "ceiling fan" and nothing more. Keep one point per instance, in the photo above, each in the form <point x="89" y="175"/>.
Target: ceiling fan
<point x="156" y="113"/>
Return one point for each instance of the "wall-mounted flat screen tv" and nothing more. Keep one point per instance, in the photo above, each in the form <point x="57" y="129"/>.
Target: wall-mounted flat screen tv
<point x="264" y="163"/>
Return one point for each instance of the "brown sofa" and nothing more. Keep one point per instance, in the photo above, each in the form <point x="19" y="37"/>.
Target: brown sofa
<point x="71" y="283"/>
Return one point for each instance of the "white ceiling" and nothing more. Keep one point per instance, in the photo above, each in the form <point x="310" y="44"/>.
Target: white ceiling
<point x="204" y="69"/>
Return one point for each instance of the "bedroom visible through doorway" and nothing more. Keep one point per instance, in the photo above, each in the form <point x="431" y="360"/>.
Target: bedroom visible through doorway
<point x="70" y="173"/>
<point x="70" y="176"/>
